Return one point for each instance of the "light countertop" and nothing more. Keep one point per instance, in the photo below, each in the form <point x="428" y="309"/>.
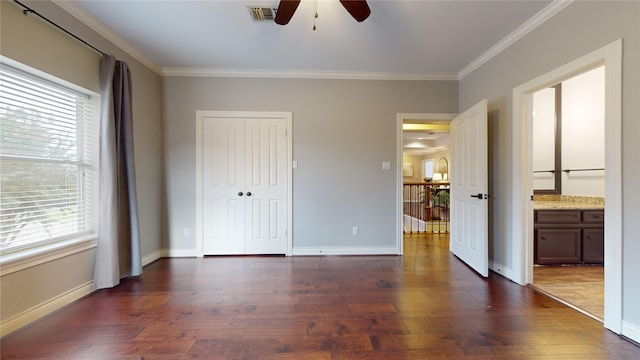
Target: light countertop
<point x="565" y="202"/>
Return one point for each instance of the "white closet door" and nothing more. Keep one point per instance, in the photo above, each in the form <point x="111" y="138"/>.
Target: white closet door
<point x="266" y="186"/>
<point x="244" y="186"/>
<point x="223" y="186"/>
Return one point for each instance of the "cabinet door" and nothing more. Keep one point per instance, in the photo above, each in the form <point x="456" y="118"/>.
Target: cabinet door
<point x="593" y="216"/>
<point x="558" y="246"/>
<point x="593" y="246"/>
<point x="557" y="216"/>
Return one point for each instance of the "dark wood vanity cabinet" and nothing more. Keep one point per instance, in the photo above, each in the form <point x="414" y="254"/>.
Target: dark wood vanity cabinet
<point x="569" y="236"/>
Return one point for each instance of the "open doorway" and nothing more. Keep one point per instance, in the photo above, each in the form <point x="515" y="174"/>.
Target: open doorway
<point x="568" y="181"/>
<point x="424" y="152"/>
<point x="522" y="215"/>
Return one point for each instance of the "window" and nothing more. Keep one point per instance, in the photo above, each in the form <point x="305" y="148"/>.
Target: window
<point x="48" y="161"/>
<point x="427" y="165"/>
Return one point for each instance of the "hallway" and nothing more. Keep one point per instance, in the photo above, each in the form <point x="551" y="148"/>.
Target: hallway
<point x="423" y="305"/>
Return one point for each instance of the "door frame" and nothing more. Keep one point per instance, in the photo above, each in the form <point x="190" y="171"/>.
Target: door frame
<point x="522" y="215"/>
<point x="200" y="115"/>
<point x="400" y="118"/>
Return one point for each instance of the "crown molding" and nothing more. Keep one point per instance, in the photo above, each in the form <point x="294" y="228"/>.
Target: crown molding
<point x="545" y="14"/>
<point x="92" y="22"/>
<point x="305" y="74"/>
<point x="96" y="25"/>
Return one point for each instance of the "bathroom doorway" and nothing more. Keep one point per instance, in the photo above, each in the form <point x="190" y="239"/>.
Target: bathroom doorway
<point x="522" y="217"/>
<point x="568" y="185"/>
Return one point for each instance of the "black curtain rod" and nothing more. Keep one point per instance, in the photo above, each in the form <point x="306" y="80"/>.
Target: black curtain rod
<point x="27" y="10"/>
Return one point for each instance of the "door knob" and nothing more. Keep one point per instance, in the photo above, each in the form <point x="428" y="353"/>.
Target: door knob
<point x="240" y="193"/>
<point x="248" y="193"/>
<point x="479" y="196"/>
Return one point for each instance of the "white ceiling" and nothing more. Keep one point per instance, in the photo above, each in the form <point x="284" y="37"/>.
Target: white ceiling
<point x="423" y="143"/>
<point x="400" y="40"/>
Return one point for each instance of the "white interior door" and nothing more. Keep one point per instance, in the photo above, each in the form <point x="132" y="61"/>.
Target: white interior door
<point x="244" y="186"/>
<point x="469" y="188"/>
<point x="223" y="186"/>
<point x="266" y="186"/>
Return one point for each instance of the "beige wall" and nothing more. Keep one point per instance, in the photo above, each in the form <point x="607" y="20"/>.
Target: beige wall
<point x="342" y="132"/>
<point x="32" y="42"/>
<point x="416" y="161"/>
<point x="418" y="168"/>
<point x="581" y="28"/>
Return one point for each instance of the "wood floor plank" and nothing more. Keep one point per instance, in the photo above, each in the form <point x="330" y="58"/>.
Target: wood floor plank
<point x="423" y="305"/>
<point x="580" y="286"/>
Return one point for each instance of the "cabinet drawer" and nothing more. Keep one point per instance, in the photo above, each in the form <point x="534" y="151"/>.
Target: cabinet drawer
<point x="593" y="216"/>
<point x="593" y="246"/>
<point x="558" y="216"/>
<point x="558" y="246"/>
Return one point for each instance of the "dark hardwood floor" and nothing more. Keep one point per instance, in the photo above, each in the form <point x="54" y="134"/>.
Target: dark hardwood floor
<point x="423" y="305"/>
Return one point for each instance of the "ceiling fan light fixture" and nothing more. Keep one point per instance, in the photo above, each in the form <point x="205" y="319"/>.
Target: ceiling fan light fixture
<point x="359" y="10"/>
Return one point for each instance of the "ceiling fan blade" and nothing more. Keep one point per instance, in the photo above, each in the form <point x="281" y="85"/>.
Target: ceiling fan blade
<point x="359" y="9"/>
<point x="286" y="9"/>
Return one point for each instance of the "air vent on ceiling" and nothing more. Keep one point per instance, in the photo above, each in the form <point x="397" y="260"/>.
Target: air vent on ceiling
<point x="262" y="14"/>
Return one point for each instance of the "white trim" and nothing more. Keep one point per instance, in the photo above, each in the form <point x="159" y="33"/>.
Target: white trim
<point x="243" y="114"/>
<point x="199" y="212"/>
<point x="179" y="253"/>
<point x="41" y="310"/>
<point x="545" y="14"/>
<point x="96" y="25"/>
<point x="314" y="251"/>
<point x="305" y="74"/>
<point x="400" y="118"/>
<point x="151" y="257"/>
<point x="501" y="269"/>
<point x="26" y="258"/>
<point x="632" y="331"/>
<point x="522" y="214"/>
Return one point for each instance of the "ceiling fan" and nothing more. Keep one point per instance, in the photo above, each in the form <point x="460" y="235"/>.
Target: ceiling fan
<point x="359" y="9"/>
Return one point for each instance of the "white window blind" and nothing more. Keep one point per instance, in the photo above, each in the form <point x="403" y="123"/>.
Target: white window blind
<point x="48" y="172"/>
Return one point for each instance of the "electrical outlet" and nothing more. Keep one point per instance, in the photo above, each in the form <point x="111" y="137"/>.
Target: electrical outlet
<point x="355" y="230"/>
<point x="186" y="232"/>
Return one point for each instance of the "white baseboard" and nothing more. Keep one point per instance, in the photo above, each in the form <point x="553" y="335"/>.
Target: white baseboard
<point x="41" y="310"/>
<point x="502" y="270"/>
<point x="632" y="331"/>
<point x="151" y="257"/>
<point x="299" y="251"/>
<point x="169" y="253"/>
<point x="308" y="251"/>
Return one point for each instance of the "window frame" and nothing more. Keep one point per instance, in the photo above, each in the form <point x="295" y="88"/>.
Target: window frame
<point x="24" y="256"/>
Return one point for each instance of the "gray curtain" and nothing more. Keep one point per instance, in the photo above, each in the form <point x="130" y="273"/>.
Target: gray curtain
<point x="118" y="251"/>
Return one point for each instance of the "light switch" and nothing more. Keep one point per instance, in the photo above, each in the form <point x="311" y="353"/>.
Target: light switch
<point x="386" y="165"/>
<point x="294" y="164"/>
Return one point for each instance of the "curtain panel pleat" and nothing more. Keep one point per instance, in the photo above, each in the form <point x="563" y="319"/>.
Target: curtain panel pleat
<point x="118" y="251"/>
